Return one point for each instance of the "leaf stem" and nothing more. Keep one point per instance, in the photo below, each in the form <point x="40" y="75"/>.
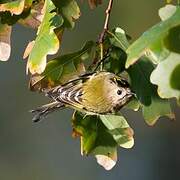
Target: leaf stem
<point x="101" y="56"/>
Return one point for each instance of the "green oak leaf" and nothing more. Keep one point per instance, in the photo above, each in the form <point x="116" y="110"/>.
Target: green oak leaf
<point x="101" y="134"/>
<point x="172" y="40"/>
<point x="117" y="41"/>
<point x="151" y="42"/>
<point x="116" y="126"/>
<point x="118" y="38"/>
<point x="62" y="69"/>
<point x="119" y="129"/>
<point x="166" y="76"/>
<point x="116" y="61"/>
<point x="105" y="148"/>
<point x="153" y="106"/>
<point x="46" y="41"/>
<point x="94" y="134"/>
<point x="95" y="139"/>
<point x="175" y="83"/>
<point x="69" y="10"/>
<point x="86" y="127"/>
<point x="158" y="108"/>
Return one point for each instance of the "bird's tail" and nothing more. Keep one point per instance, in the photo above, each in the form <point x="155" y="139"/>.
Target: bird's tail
<point x="43" y="111"/>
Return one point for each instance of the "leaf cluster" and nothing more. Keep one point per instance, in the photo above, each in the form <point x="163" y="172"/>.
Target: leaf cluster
<point x="151" y="64"/>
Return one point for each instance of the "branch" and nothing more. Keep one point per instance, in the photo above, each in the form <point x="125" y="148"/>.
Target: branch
<point x="106" y="23"/>
<point x="102" y="35"/>
<point x="101" y="39"/>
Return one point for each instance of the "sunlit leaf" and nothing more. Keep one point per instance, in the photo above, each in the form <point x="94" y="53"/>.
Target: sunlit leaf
<point x="15" y="7"/>
<point x="46" y="41"/>
<point x="88" y="126"/>
<point x="118" y="43"/>
<point x="5" y="46"/>
<point x="151" y="42"/>
<point x="100" y="136"/>
<point x="118" y="38"/>
<point x="158" y="108"/>
<point x="153" y="106"/>
<point x="119" y="129"/>
<point x="167" y="11"/>
<point x="62" y="69"/>
<point x="13" y="11"/>
<point x="166" y="76"/>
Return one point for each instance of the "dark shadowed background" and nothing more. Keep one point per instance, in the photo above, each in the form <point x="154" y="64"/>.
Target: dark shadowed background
<point x="46" y="151"/>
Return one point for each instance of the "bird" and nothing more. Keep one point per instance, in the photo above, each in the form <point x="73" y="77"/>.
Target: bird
<point x="92" y="93"/>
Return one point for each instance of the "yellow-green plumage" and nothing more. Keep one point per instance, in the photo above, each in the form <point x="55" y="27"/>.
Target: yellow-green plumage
<point x="95" y="94"/>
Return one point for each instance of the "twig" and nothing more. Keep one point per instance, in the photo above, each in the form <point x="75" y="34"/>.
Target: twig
<point x="100" y="62"/>
<point x="106" y="23"/>
<point x="102" y="35"/>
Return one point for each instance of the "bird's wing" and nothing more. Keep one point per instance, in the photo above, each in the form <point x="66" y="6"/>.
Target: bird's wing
<point x="70" y="93"/>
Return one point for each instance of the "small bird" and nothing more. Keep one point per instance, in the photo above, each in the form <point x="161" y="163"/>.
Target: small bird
<point x="94" y="93"/>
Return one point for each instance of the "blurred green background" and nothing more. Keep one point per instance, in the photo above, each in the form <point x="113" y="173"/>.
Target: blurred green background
<point x="46" y="150"/>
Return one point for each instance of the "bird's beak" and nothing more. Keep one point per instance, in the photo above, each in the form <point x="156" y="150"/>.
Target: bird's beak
<point x="131" y="93"/>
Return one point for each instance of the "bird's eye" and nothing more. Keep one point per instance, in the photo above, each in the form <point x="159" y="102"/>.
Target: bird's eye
<point x="119" y="92"/>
